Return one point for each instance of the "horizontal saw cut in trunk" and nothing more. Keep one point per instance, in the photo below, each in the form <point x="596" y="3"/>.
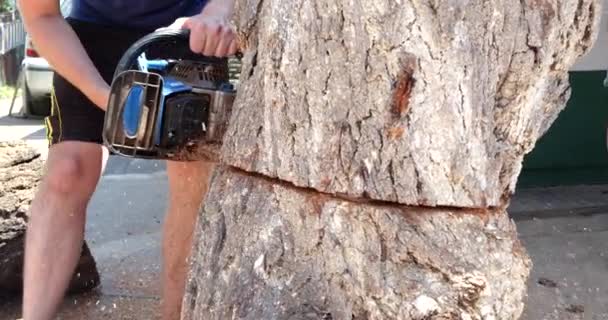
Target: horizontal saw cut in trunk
<point x="371" y="154"/>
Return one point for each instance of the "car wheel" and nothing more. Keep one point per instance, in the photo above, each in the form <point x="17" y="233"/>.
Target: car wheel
<point x="41" y="107"/>
<point x="36" y="107"/>
<point x="25" y="99"/>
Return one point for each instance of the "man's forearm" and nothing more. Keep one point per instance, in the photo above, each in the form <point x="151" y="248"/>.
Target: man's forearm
<point x="65" y="54"/>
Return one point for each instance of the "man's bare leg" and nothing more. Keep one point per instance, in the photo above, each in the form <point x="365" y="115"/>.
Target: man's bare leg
<point x="55" y="230"/>
<point x="188" y="184"/>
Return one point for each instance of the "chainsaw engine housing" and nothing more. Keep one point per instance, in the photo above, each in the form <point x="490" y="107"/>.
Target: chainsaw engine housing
<point x="168" y="108"/>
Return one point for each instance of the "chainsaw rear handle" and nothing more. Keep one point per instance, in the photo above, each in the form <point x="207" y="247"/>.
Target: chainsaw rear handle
<point x="129" y="58"/>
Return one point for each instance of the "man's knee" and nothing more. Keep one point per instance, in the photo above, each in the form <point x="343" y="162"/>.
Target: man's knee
<point x="65" y="174"/>
<point x="73" y="167"/>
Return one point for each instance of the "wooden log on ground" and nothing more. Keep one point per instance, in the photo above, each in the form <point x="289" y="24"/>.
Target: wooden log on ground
<point x="21" y="169"/>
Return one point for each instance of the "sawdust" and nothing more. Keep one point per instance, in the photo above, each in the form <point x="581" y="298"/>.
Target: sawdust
<point x="201" y="151"/>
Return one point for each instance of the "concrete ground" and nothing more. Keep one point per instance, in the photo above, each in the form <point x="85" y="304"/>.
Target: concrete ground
<point x="565" y="231"/>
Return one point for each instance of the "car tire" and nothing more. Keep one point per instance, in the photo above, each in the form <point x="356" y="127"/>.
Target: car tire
<point x="34" y="107"/>
<point x="41" y="107"/>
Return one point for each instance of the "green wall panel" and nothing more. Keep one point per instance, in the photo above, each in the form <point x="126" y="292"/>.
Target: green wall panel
<point x="574" y="151"/>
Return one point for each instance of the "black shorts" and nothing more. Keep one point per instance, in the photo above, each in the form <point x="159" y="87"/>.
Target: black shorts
<point x="73" y="116"/>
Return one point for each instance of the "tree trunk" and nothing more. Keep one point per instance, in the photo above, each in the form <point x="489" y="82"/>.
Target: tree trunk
<point x="372" y="151"/>
<point x="20" y="173"/>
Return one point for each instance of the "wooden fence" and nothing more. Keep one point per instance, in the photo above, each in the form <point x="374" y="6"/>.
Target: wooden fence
<point x="12" y="32"/>
<point x="12" y="40"/>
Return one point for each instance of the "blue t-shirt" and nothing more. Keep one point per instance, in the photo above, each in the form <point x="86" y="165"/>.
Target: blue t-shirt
<point x="141" y="14"/>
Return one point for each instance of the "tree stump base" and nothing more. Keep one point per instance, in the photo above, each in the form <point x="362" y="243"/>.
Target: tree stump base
<point x="269" y="250"/>
<point x="21" y="170"/>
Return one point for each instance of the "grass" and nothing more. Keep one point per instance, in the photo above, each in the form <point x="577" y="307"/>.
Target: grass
<point x="6" y="92"/>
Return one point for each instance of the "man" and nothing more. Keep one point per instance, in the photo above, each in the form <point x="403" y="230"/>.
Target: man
<point x="83" y="50"/>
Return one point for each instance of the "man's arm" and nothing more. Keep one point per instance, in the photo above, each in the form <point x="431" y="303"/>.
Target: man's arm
<point x="59" y="45"/>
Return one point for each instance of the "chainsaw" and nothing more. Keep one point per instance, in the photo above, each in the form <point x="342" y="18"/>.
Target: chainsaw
<point x="173" y="108"/>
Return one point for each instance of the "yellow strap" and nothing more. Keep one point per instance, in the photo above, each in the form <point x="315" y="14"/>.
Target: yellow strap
<point x="49" y="130"/>
<point x="55" y="108"/>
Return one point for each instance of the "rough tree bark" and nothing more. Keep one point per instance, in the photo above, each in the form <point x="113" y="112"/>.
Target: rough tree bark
<point x="372" y="151"/>
<point x="20" y="173"/>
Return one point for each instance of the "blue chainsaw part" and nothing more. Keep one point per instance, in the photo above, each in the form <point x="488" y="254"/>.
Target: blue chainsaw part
<point x="131" y="113"/>
<point x="226" y="87"/>
<point x="170" y="87"/>
<point x="157" y="65"/>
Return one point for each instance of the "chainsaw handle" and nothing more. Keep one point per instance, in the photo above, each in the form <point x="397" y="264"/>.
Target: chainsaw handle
<point x="129" y="58"/>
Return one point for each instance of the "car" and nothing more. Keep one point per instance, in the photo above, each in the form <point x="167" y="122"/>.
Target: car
<point x="36" y="85"/>
<point x="37" y="82"/>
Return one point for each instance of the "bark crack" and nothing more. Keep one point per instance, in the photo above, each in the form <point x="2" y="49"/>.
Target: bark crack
<point x="383" y="247"/>
<point x="429" y="265"/>
<point x="391" y="175"/>
<point x="462" y="112"/>
<point x="479" y="211"/>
